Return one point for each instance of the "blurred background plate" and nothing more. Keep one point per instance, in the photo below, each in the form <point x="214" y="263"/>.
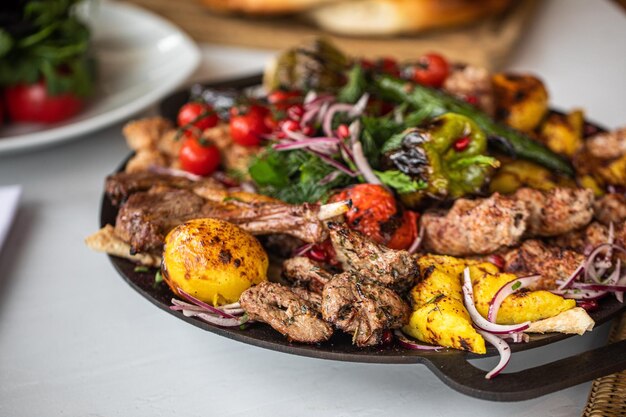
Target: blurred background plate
<point x="141" y="58"/>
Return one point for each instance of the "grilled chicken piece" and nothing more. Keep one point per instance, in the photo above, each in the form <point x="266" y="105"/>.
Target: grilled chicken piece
<point x="121" y="185"/>
<point x="363" y="309"/>
<point x="610" y="208"/>
<point x="607" y="145"/>
<point x="286" y="312"/>
<point x="469" y="82"/>
<point x="306" y="273"/>
<point x="146" y="217"/>
<point x="535" y="257"/>
<point x="557" y="211"/>
<point x="395" y="269"/>
<point x="475" y="226"/>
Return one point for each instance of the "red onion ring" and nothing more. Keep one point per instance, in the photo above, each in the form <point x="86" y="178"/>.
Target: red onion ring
<point x="330" y="161"/>
<point x="480" y="321"/>
<point x="582" y="295"/>
<point x="157" y="169"/>
<point x="304" y="143"/>
<point x="505" y="291"/>
<point x="573" y="276"/>
<point x="197" y="302"/>
<point x="417" y="242"/>
<point x="364" y="167"/>
<point x="503" y="349"/>
<point x="516" y="337"/>
<point x="409" y="344"/>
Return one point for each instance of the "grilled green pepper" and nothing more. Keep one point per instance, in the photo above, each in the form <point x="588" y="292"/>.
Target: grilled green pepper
<point x="448" y="154"/>
<point x="438" y="102"/>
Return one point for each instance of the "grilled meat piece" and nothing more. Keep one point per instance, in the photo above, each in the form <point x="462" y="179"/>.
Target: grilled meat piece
<point x="286" y="312"/>
<point x="315" y="299"/>
<point x="304" y="272"/>
<point x="121" y="185"/>
<point x="607" y="145"/>
<point x="466" y="81"/>
<point x="595" y="234"/>
<point x="147" y="217"/>
<point x="363" y="309"/>
<point x="610" y="208"/>
<point x="475" y="226"/>
<point x="557" y="211"/>
<point x="535" y="257"/>
<point x="395" y="269"/>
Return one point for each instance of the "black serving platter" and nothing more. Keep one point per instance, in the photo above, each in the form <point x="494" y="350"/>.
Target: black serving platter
<point x="450" y="365"/>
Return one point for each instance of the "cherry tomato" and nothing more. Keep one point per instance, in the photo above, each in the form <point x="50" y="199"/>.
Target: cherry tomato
<point x="247" y="128"/>
<point x="375" y="213"/>
<point x="191" y="116"/>
<point x="282" y="99"/>
<point x="431" y="70"/>
<point x="32" y="103"/>
<point x="199" y="158"/>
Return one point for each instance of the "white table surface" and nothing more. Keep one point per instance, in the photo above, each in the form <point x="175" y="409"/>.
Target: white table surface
<point x="75" y="340"/>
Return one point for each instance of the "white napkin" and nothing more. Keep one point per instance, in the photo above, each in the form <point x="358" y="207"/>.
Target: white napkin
<point x="9" y="198"/>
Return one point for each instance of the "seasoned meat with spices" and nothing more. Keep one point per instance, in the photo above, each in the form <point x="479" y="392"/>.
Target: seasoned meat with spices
<point x="121" y="185"/>
<point x="607" y="145"/>
<point x="610" y="208"/>
<point x="286" y="312"/>
<point x="395" y="269"/>
<point x="363" y="309"/>
<point x="471" y="83"/>
<point x="475" y="226"/>
<point x="307" y="273"/>
<point x="315" y="299"/>
<point x="557" y="211"/>
<point x="595" y="234"/>
<point x="535" y="257"/>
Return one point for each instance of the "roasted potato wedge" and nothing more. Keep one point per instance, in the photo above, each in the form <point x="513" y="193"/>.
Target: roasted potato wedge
<point x="514" y="174"/>
<point x="521" y="100"/>
<point x="563" y="133"/>
<point x="213" y="260"/>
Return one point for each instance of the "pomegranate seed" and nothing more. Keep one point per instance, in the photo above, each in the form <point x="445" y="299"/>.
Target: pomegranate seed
<point x="497" y="260"/>
<point x="387" y="337"/>
<point x="343" y="131"/>
<point x="317" y="254"/>
<point x="462" y="144"/>
<point x="588" y="305"/>
<point x="290" y="125"/>
<point x="308" y="130"/>
<point x="473" y="100"/>
<point x="295" y="112"/>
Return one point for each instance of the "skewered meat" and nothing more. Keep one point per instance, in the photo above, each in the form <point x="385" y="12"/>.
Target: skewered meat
<point x="535" y="257"/>
<point x="286" y="312"/>
<point x="121" y="185"/>
<point x="146" y="217"/>
<point x="304" y="272"/>
<point x="557" y="211"/>
<point x="395" y="269"/>
<point x="366" y="310"/>
<point x="475" y="226"/>
<point x="610" y="208"/>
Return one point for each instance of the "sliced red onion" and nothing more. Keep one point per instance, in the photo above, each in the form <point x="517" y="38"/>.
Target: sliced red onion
<point x="364" y="167"/>
<point x="506" y="290"/>
<point x="417" y="242"/>
<point x="322" y="112"/>
<point x="579" y="294"/>
<point x="231" y="305"/>
<point x="590" y="268"/>
<point x="304" y="143"/>
<point x="620" y="294"/>
<point x="346" y="153"/>
<point x="303" y="249"/>
<point x="330" y="177"/>
<point x="516" y="337"/>
<point x="360" y="106"/>
<point x="191" y="310"/>
<point x="480" y="321"/>
<point x="598" y="287"/>
<point x="197" y="302"/>
<point x="157" y="169"/>
<point x="409" y="344"/>
<point x="503" y="348"/>
<point x="573" y="276"/>
<point x="218" y="321"/>
<point x="327" y="122"/>
<point x="330" y="161"/>
<point x="310" y="96"/>
<point x="297" y="136"/>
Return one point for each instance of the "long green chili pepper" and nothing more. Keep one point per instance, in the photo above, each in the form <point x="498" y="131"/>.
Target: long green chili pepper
<point x="438" y="103"/>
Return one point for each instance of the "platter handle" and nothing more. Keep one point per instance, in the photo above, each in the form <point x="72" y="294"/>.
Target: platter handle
<point x="456" y="372"/>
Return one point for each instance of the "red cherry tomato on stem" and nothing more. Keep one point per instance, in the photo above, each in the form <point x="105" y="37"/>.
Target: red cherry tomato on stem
<point x="248" y="128"/>
<point x="199" y="158"/>
<point x="431" y="70"/>
<point x="196" y="117"/>
<point x="33" y="103"/>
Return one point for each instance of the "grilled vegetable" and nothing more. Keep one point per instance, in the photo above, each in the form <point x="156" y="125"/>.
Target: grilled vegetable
<point x="436" y="103"/>
<point x="563" y="133"/>
<point x="521" y="100"/>
<point x="514" y="174"/>
<point x="448" y="154"/>
<point x="213" y="260"/>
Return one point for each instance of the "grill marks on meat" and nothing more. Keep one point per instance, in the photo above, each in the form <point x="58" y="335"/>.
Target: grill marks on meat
<point x="557" y="211"/>
<point x="306" y="273"/>
<point x="535" y="257"/>
<point x="363" y="309"/>
<point x="395" y="269"/>
<point x="475" y="226"/>
<point x="286" y="312"/>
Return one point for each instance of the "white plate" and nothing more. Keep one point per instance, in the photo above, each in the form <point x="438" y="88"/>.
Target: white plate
<point x="140" y="59"/>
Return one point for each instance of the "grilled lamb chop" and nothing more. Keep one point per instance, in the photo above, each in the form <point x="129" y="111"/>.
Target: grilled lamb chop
<point x="146" y="217"/>
<point x="610" y="208"/>
<point x="366" y="310"/>
<point x="472" y="227"/>
<point x="535" y="257"/>
<point x="286" y="312"/>
<point x="306" y="273"/>
<point x="557" y="211"/>
<point x="395" y="269"/>
<point x="313" y="298"/>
